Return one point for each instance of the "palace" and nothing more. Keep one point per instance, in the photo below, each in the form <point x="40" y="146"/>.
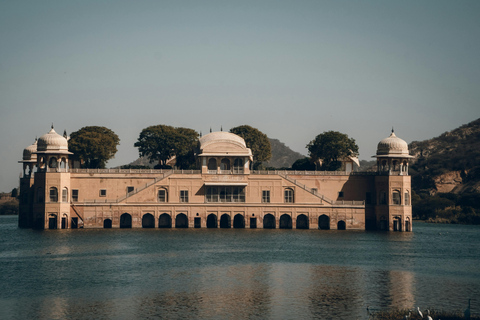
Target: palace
<point x="223" y="192"/>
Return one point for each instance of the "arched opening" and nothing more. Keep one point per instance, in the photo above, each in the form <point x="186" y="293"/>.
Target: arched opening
<point x="408" y="226"/>
<point x="65" y="222"/>
<point x="52" y="163"/>
<point x="164" y="221"/>
<point x="225" y="164"/>
<point x="212" y="164"/>
<point x="397" y="224"/>
<point x="324" y="222"/>
<point x="239" y="221"/>
<point x="148" y="221"/>
<point x="285" y="221"/>
<point x="52" y="221"/>
<point x="302" y="222"/>
<point x="63" y="163"/>
<point x="238" y="166"/>
<point x="181" y="221"/>
<point x="225" y="221"/>
<point x="107" y="223"/>
<point x="212" y="221"/>
<point x="125" y="221"/>
<point x="341" y="225"/>
<point x="269" y="221"/>
<point x="197" y="222"/>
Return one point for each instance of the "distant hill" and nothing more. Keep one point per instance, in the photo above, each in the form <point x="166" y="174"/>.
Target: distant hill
<point x="282" y="157"/>
<point x="448" y="163"/>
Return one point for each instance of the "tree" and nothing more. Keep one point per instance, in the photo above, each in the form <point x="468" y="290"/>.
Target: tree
<point x="257" y="141"/>
<point x="93" y="146"/>
<point x="331" y="147"/>
<point x="161" y="142"/>
<point x="303" y="164"/>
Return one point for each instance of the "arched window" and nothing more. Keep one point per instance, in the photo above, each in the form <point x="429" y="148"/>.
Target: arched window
<point x="396" y="198"/>
<point x="53" y="194"/>
<point x="225" y="164"/>
<point x="238" y="166"/>
<point x="162" y="195"/>
<point x="407" y="198"/>
<point x="289" y="195"/>
<point x="53" y="162"/>
<point x="64" y="195"/>
<point x="212" y="164"/>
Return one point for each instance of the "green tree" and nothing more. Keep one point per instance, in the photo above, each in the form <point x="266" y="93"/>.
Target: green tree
<point x="331" y="147"/>
<point x="303" y="164"/>
<point x="257" y="141"/>
<point x="161" y="142"/>
<point x="93" y="146"/>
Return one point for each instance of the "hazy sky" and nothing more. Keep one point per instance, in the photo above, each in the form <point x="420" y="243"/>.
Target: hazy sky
<point x="292" y="69"/>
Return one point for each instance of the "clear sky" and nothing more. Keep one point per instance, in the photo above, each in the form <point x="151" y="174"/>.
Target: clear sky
<point x="292" y="69"/>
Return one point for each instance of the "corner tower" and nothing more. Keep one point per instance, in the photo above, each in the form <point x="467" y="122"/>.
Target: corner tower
<point x="51" y="208"/>
<point x="393" y="209"/>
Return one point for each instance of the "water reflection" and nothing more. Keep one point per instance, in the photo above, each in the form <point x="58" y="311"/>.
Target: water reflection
<point x="255" y="274"/>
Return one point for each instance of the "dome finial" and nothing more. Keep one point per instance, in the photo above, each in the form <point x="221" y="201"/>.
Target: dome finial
<point x="210" y="129"/>
<point x="392" y="129"/>
<point x="52" y="125"/>
<point x="221" y="128"/>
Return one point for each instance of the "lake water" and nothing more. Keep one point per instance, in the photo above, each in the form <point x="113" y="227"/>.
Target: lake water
<point x="235" y="273"/>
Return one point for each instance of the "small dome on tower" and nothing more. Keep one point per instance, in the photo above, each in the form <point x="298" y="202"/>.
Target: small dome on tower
<point x="393" y="146"/>
<point x="29" y="152"/>
<point x="52" y="142"/>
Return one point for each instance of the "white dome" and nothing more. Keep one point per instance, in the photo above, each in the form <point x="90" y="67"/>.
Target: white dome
<point x="392" y="146"/>
<point x="29" y="152"/>
<point x="223" y="143"/>
<point x="52" y="142"/>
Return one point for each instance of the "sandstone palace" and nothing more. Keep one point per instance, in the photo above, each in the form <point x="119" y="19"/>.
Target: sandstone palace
<point x="224" y="192"/>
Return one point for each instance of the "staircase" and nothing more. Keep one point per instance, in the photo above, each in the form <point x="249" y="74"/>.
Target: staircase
<point x="304" y="187"/>
<point x="164" y="175"/>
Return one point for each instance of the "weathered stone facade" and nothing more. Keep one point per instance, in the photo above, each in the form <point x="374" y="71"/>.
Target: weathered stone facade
<point x="223" y="192"/>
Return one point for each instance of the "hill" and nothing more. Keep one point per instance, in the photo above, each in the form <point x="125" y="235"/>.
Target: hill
<point x="282" y="157"/>
<point x="446" y="176"/>
<point x="448" y="163"/>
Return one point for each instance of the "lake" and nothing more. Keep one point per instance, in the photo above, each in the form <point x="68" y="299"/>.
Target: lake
<point x="234" y="273"/>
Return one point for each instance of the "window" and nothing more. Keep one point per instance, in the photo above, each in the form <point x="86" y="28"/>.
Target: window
<point x="64" y="195"/>
<point x="130" y="189"/>
<point x="407" y="198"/>
<point x="314" y="190"/>
<point x="340" y="194"/>
<point x="183" y="195"/>
<point x="225" y="165"/>
<point x="288" y="195"/>
<point x="266" y="196"/>
<point x="238" y="166"/>
<point x="103" y="192"/>
<point x="212" y="164"/>
<point x="53" y="194"/>
<point x="383" y="197"/>
<point x="75" y="195"/>
<point x="396" y="197"/>
<point x="225" y="194"/>
<point x="162" y="195"/>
